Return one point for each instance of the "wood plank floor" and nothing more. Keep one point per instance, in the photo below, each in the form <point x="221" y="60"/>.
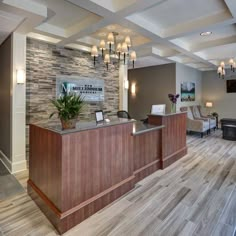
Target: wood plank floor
<point x="195" y="196"/>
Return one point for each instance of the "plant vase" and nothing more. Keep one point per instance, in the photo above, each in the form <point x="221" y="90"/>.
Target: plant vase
<point x="68" y="124"/>
<point x="173" y="108"/>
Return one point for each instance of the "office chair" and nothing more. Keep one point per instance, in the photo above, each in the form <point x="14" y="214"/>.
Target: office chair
<point x="123" y="114"/>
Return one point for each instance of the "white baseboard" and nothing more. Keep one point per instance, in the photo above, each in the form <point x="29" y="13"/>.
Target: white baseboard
<point x="6" y="162"/>
<point x="13" y="167"/>
<point x="19" y="166"/>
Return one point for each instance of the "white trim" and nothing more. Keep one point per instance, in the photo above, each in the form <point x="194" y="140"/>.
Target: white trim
<point x="13" y="167"/>
<point x="6" y="162"/>
<point x="19" y="166"/>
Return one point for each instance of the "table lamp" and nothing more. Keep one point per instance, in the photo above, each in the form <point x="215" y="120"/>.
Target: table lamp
<point x="209" y="105"/>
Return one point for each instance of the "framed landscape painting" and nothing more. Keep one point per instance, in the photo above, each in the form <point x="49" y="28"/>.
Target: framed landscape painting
<point x="187" y="91"/>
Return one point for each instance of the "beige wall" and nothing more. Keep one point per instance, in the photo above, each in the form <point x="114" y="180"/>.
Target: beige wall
<point x="214" y="89"/>
<point x="5" y="98"/>
<point x="188" y="74"/>
<point x="152" y="87"/>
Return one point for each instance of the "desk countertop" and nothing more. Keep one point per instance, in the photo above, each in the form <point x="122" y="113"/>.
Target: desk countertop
<point x="138" y="126"/>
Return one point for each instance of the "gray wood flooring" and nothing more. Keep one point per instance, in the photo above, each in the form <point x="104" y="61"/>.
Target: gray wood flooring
<point x="195" y="196"/>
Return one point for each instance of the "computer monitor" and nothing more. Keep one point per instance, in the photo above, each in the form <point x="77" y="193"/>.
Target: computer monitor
<point x="158" y="109"/>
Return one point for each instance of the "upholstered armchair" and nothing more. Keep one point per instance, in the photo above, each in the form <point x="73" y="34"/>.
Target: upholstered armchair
<point x="212" y="119"/>
<point x="196" y="110"/>
<point x="195" y="125"/>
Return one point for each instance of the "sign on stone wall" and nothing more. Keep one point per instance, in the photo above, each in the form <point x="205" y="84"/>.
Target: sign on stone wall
<point x="91" y="89"/>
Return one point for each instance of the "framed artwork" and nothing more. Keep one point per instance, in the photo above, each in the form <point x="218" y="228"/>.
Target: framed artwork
<point x="187" y="92"/>
<point x="99" y="116"/>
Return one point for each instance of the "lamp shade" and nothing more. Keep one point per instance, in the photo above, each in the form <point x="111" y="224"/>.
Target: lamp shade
<point x="110" y="38"/>
<point x="231" y="61"/>
<point x="118" y="48"/>
<point x="107" y="58"/>
<point x="219" y="71"/>
<point x="124" y="48"/>
<point x="94" y="51"/>
<point x="102" y="45"/>
<point x="128" y="41"/>
<point x="209" y="104"/>
<point x="133" y="56"/>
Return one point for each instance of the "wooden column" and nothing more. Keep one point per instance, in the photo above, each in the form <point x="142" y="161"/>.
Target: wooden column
<point x="173" y="136"/>
<point x="147" y="154"/>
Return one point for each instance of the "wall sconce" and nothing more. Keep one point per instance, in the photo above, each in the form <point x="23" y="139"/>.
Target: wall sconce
<point x="20" y="76"/>
<point x="133" y="89"/>
<point x="126" y="84"/>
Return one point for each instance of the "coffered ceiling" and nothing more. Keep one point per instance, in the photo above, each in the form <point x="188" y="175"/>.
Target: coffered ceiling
<point x="162" y="31"/>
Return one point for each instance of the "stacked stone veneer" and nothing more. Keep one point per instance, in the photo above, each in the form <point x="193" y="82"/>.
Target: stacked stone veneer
<point x="45" y="61"/>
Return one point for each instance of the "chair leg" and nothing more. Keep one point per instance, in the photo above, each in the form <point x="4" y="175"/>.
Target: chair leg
<point x="201" y="134"/>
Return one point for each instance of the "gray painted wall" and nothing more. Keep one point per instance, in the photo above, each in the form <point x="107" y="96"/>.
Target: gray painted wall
<point x="152" y="87"/>
<point x="5" y="97"/>
<point x="214" y="89"/>
<point x="188" y="74"/>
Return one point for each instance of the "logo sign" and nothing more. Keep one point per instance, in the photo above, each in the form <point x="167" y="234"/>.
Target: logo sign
<point x="91" y="89"/>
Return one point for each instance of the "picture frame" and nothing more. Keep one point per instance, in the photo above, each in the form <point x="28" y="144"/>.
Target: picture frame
<point x="188" y="90"/>
<point x="99" y="116"/>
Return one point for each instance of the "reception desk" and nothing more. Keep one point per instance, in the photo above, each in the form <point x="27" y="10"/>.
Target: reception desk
<point x="75" y="173"/>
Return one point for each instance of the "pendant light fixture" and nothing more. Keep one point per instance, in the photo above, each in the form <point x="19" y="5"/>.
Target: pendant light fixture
<point x="102" y="47"/>
<point x="110" y="52"/>
<point x="221" y="69"/>
<point x="110" y="40"/>
<point x="107" y="60"/>
<point x="94" y="54"/>
<point x="133" y="57"/>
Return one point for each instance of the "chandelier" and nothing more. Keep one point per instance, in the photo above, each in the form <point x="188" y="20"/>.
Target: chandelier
<point x="221" y="69"/>
<point x="120" y="51"/>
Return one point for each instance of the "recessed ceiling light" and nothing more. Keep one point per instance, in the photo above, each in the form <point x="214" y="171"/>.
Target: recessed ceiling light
<point x="207" y="33"/>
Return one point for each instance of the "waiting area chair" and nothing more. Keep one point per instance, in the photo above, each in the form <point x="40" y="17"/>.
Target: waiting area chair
<point x="199" y="125"/>
<point x="212" y="120"/>
<point x="123" y="114"/>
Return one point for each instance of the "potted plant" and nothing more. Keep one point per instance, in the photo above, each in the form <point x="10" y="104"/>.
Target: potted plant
<point x="68" y="106"/>
<point x="173" y="98"/>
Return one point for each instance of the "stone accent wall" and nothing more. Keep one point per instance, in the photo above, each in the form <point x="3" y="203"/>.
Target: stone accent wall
<point x="44" y="61"/>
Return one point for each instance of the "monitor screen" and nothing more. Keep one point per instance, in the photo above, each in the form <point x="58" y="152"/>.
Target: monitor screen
<point x="231" y="86"/>
<point x="157" y="109"/>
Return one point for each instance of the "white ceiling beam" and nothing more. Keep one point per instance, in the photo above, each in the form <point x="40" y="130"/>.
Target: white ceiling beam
<point x="32" y="12"/>
<point x="138" y="6"/>
<point x="231" y="6"/>
<point x="214" y="43"/>
<point x="198" y="26"/>
<point x="51" y="30"/>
